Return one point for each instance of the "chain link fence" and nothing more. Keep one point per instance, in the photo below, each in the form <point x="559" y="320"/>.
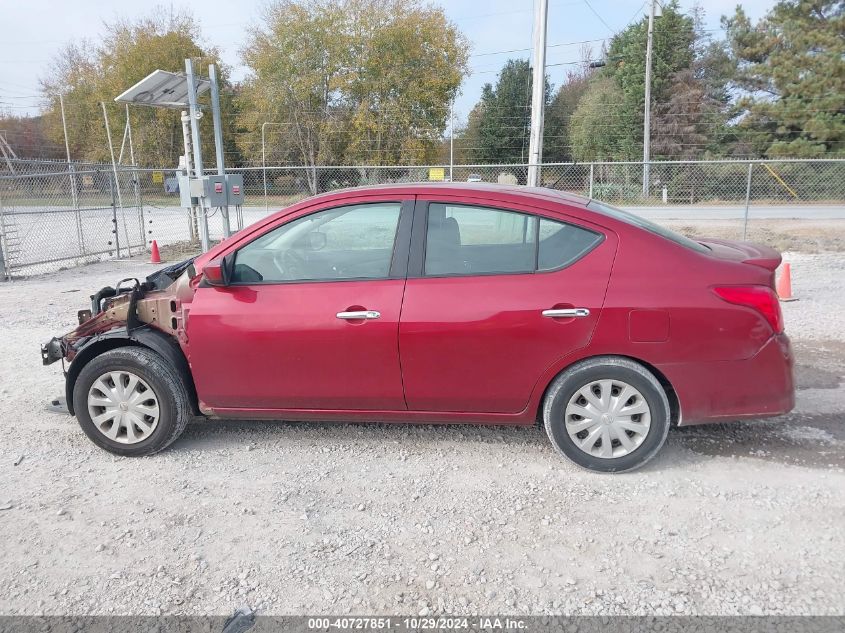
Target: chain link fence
<point x="670" y="183"/>
<point x="58" y="217"/>
<point x="54" y="214"/>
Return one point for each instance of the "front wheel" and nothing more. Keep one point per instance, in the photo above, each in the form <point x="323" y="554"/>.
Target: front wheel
<point x="131" y="402"/>
<point x="607" y="414"/>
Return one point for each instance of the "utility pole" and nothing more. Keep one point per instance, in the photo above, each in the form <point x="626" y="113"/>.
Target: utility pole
<point x="218" y="139"/>
<point x="538" y="92"/>
<point x="194" y="113"/>
<point x="451" y="138"/>
<point x="647" y="114"/>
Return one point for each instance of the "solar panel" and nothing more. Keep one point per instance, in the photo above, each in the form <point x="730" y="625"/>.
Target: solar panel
<point x="162" y="89"/>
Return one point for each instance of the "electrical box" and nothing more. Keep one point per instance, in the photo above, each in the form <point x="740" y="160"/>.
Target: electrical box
<point x="197" y="187"/>
<point x="235" y="189"/>
<point x="218" y="191"/>
<point x="185" y="199"/>
<point x="215" y="191"/>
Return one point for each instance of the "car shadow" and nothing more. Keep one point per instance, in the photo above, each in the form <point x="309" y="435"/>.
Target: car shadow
<point x="809" y="440"/>
<point x="814" y="441"/>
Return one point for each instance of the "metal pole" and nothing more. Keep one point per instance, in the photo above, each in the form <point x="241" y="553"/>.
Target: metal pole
<point x="451" y="139"/>
<point x="747" y="202"/>
<point x="592" y="165"/>
<point x="67" y="151"/>
<point x="4" y="272"/>
<point x="135" y="180"/>
<point x="116" y="180"/>
<point x="538" y="92"/>
<point x="264" y="164"/>
<point x="111" y="152"/>
<point x="73" y="192"/>
<point x="186" y="139"/>
<point x="195" y="134"/>
<point x="647" y="114"/>
<point x="114" y="218"/>
<point x="218" y="141"/>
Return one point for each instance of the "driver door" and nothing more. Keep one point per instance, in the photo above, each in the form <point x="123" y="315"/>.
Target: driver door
<point x="310" y="319"/>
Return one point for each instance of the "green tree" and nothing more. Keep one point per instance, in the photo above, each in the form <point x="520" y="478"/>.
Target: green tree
<point x="557" y="143"/>
<point x="672" y="51"/>
<point x="297" y="61"/>
<point x="73" y="73"/>
<point x="596" y="132"/>
<point x="130" y="50"/>
<point x="365" y="81"/>
<point x="690" y="99"/>
<point x="690" y="120"/>
<point x="498" y="126"/>
<point x="409" y="64"/>
<point x="792" y="71"/>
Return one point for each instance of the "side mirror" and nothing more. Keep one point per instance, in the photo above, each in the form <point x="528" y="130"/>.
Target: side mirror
<point x="216" y="272"/>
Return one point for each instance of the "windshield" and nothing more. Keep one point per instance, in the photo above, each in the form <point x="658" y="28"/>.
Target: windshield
<point x="662" y="231"/>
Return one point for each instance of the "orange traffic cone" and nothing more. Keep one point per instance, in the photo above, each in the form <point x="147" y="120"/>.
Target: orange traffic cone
<point x="155" y="256"/>
<point x="784" y="284"/>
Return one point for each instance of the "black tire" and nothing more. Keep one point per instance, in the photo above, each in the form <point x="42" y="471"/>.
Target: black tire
<point x="606" y="367"/>
<point x="162" y="378"/>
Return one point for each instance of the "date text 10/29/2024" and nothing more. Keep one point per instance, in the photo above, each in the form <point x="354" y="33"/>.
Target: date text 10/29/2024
<point x="415" y="623"/>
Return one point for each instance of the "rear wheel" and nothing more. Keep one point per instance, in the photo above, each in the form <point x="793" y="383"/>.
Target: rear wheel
<point x="607" y="414"/>
<point x="131" y="402"/>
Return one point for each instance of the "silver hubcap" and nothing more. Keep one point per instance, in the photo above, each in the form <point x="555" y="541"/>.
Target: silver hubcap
<point x="123" y="407"/>
<point x="607" y="418"/>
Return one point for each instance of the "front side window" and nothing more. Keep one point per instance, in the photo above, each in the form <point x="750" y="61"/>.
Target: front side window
<point x="468" y="240"/>
<point x="352" y="242"/>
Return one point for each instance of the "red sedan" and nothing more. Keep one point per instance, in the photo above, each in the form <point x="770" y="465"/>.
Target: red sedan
<point x="440" y="303"/>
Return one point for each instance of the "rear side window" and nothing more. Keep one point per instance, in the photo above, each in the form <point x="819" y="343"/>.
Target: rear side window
<point x="561" y="244"/>
<point x="464" y="240"/>
<point x="470" y="240"/>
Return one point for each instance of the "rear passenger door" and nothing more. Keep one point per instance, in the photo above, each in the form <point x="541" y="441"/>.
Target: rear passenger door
<point x="472" y="335"/>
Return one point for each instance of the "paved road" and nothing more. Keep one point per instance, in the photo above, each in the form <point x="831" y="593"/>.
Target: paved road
<point x="756" y="212"/>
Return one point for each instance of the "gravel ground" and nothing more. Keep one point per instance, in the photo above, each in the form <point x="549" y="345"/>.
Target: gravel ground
<point x="743" y="518"/>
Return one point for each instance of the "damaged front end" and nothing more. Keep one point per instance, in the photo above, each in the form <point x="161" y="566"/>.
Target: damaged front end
<point x="129" y="305"/>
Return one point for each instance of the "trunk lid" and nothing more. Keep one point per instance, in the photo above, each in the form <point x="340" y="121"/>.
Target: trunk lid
<point x="745" y="252"/>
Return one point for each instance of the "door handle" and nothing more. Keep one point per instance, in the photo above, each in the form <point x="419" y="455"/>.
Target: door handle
<point x="359" y="314"/>
<point x="566" y="313"/>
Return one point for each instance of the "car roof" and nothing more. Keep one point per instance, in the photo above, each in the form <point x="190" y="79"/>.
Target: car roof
<point x="460" y="188"/>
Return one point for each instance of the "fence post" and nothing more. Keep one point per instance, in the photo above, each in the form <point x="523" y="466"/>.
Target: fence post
<point x="591" y="180"/>
<point x="4" y="274"/>
<point x="114" y="216"/>
<point x="141" y="208"/>
<point x="747" y="202"/>
<point x="80" y="235"/>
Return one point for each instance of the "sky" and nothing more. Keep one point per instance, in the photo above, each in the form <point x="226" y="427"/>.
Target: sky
<point x="36" y="29"/>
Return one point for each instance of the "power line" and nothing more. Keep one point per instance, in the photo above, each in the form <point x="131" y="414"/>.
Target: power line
<point x="601" y="19"/>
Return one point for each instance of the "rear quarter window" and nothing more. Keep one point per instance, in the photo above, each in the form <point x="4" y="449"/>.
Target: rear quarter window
<point x="562" y="244"/>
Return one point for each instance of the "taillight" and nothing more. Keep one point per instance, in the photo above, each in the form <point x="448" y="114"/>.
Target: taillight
<point x="759" y="298"/>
